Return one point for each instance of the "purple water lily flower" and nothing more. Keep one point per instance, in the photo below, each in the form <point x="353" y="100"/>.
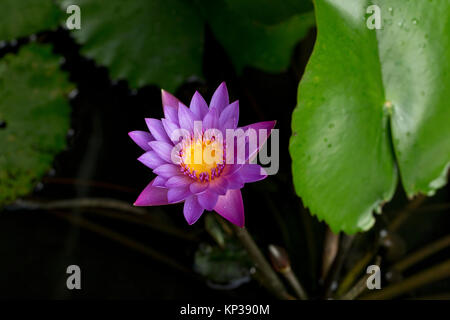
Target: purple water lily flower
<point x="202" y="185"/>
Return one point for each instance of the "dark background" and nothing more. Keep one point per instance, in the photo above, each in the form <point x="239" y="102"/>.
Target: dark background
<point x="36" y="246"/>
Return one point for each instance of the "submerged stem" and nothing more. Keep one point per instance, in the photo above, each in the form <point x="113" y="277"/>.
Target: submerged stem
<point x="330" y="249"/>
<point x="267" y="275"/>
<point x="435" y="273"/>
<point x="344" y="247"/>
<point x="117" y="237"/>
<point x="135" y="214"/>
<point x="404" y="214"/>
<point x="360" y="286"/>
<point x="422" y="253"/>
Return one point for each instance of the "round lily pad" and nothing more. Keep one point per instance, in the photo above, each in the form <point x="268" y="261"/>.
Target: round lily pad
<point x="34" y="117"/>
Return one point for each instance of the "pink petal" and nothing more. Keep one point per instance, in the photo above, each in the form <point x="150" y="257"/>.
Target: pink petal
<point x="152" y="196"/>
<point x="220" y="98"/>
<point x="168" y="99"/>
<point x="170" y="106"/>
<point x="231" y="207"/>
<point x="192" y="210"/>
<point x="159" y="182"/>
<point x="207" y="199"/>
<point x="141" y="138"/>
<point x="198" y="106"/>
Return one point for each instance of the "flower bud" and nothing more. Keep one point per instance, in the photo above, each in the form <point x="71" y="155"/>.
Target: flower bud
<point x="279" y="258"/>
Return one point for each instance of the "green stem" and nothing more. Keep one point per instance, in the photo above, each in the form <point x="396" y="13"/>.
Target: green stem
<point x="352" y="275"/>
<point x="267" y="275"/>
<point x="295" y="284"/>
<point x="360" y="286"/>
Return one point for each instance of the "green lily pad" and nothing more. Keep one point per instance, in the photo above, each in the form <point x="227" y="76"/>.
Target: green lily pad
<point x="35" y="115"/>
<point x="249" y="43"/>
<point x="24" y="17"/>
<point x="372" y="101"/>
<point x="145" y="42"/>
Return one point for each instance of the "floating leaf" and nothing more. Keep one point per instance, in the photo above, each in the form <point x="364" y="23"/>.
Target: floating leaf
<point x="35" y="116"/>
<point x="370" y="101"/>
<point x="145" y="42"/>
<point x="252" y="44"/>
<point x="24" y="17"/>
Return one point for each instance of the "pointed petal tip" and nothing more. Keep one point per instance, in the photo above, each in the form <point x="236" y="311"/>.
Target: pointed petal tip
<point x="231" y="207"/>
<point x="141" y="138"/>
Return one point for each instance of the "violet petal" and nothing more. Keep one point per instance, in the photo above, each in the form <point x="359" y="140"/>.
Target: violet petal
<point x="252" y="173"/>
<point x="220" y="98"/>
<point x="157" y="130"/>
<point x="141" y="138"/>
<point x="211" y="120"/>
<point x="167" y="170"/>
<point x="265" y="125"/>
<point x="160" y="182"/>
<point x="192" y="210"/>
<point x="175" y="195"/>
<point x="151" y="159"/>
<point x="231" y="207"/>
<point x="179" y="181"/>
<point x="231" y="112"/>
<point x="186" y="117"/>
<point x="219" y="185"/>
<point x="163" y="149"/>
<point x="198" y="106"/>
<point x="208" y="199"/>
<point x="235" y="181"/>
<point x="169" y="127"/>
<point x="199" y="187"/>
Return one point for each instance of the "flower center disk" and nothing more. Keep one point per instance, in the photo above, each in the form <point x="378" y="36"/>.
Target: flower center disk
<point x="202" y="159"/>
